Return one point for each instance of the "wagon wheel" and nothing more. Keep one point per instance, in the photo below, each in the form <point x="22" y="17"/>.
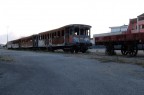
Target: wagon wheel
<point x="110" y="50"/>
<point x="124" y="50"/>
<point x="130" y="50"/>
<point x="133" y="50"/>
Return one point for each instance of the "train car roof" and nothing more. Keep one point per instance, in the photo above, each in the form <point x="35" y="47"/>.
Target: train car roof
<point x="84" y="25"/>
<point x="27" y="37"/>
<point x="13" y="41"/>
<point x="70" y="25"/>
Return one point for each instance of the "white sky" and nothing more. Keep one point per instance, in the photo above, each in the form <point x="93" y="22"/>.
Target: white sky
<point x="27" y="17"/>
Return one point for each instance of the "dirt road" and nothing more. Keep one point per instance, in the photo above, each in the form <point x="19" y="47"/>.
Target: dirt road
<point x="40" y="73"/>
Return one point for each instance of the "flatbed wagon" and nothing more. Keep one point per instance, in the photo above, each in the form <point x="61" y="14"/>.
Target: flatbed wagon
<point x="129" y="42"/>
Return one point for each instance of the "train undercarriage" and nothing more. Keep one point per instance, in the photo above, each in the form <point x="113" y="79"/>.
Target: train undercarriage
<point x="75" y="48"/>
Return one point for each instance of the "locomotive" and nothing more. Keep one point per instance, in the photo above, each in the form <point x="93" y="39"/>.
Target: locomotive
<point x="70" y="38"/>
<point x="129" y="41"/>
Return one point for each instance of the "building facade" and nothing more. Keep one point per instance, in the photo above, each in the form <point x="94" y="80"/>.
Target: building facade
<point x="119" y="28"/>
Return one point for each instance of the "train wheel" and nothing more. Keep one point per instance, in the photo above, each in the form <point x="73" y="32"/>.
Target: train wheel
<point x="51" y="49"/>
<point x="83" y="51"/>
<point x="72" y="50"/>
<point x="65" y="50"/>
<point x="133" y="50"/>
<point x="76" y="51"/>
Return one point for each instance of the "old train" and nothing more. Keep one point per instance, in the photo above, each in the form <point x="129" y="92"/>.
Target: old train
<point x="129" y="41"/>
<point x="70" y="38"/>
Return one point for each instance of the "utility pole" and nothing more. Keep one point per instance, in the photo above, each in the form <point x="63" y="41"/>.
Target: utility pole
<point x="7" y="36"/>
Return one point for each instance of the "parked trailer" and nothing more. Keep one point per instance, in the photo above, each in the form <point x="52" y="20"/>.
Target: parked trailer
<point x="130" y="41"/>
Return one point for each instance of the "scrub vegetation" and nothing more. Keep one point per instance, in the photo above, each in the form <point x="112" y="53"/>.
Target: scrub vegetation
<point x="6" y="58"/>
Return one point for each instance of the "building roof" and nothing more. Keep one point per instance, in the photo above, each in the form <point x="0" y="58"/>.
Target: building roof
<point x="119" y="26"/>
<point x="142" y="15"/>
<point x="134" y="20"/>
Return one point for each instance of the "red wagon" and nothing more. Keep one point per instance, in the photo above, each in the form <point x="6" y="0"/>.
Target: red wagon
<point x="130" y="41"/>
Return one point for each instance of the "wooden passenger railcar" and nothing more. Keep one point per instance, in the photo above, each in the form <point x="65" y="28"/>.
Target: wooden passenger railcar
<point x="130" y="41"/>
<point x="73" y="38"/>
<point x="15" y="44"/>
<point x="30" y="42"/>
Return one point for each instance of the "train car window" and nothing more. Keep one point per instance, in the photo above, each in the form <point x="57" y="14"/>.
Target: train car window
<point x="86" y="32"/>
<point x="76" y="32"/>
<point x="71" y="31"/>
<point x="48" y="36"/>
<point x="53" y="35"/>
<point x="58" y="33"/>
<point x="45" y="36"/>
<point x="62" y="32"/>
<point x="41" y="37"/>
<point x="81" y="31"/>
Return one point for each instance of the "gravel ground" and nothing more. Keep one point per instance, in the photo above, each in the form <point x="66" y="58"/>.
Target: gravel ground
<point x="119" y="58"/>
<point x="43" y="73"/>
